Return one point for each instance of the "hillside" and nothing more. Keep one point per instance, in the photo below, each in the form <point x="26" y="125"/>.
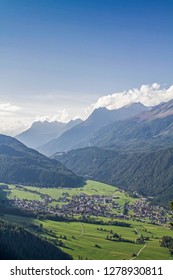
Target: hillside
<point x="22" y="165"/>
<point x="17" y="243"/>
<point x="150" y="130"/>
<point x="149" y="173"/>
<point x="79" y="136"/>
<point x="42" y="132"/>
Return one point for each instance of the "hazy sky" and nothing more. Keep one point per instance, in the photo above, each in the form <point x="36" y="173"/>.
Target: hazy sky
<point x="59" y="59"/>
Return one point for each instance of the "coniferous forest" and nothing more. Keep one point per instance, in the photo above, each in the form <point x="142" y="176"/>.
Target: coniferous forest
<point x="16" y="243"/>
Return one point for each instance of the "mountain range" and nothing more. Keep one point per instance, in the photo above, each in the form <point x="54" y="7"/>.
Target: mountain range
<point x="135" y="154"/>
<point x="22" y="165"/>
<point x="79" y="135"/>
<point x="150" y="130"/>
<point x="42" y="132"/>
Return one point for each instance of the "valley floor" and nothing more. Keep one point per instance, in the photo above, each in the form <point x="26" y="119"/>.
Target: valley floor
<point x="88" y="236"/>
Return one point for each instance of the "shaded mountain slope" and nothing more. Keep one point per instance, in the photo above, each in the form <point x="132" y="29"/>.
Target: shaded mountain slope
<point x="149" y="173"/>
<point x="22" y="165"/>
<point x="17" y="243"/>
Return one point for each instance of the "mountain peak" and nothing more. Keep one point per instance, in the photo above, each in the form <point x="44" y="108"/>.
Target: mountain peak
<point x="80" y="135"/>
<point x="42" y="132"/>
<point x="136" y="104"/>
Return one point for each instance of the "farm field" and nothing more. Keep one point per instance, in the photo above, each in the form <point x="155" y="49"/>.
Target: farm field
<point x="91" y="188"/>
<point x="85" y="241"/>
<point x="22" y="194"/>
<point x="93" y="241"/>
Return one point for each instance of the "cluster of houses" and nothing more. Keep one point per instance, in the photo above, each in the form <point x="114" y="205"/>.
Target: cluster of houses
<point x="143" y="209"/>
<point x="93" y="205"/>
<point x="82" y="204"/>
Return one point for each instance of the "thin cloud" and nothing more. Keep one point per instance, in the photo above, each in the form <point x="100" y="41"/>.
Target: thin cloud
<point x="12" y="126"/>
<point x="8" y="109"/>
<point x="61" y="116"/>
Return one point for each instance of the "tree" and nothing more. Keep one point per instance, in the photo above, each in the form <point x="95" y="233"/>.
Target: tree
<point x="171" y="205"/>
<point x="126" y="209"/>
<point x="61" y="244"/>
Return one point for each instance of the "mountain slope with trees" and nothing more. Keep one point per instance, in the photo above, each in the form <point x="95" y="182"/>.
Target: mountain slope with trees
<point x="148" y="173"/>
<point x="16" y="243"/>
<point x="22" y="165"/>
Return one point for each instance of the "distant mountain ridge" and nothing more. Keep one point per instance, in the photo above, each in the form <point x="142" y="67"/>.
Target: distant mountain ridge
<point x="162" y="110"/>
<point x="79" y="136"/>
<point x="42" y="132"/>
<point x="22" y="165"/>
<point x="151" y="129"/>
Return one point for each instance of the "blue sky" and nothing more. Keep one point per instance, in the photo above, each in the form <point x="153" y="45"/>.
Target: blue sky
<point x="62" y="55"/>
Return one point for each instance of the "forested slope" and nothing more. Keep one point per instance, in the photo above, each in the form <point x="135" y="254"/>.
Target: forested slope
<point x="17" y="243"/>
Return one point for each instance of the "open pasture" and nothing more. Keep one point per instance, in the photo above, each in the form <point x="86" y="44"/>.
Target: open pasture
<point x="85" y="241"/>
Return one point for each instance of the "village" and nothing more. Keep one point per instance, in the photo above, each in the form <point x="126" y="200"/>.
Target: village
<point x="93" y="205"/>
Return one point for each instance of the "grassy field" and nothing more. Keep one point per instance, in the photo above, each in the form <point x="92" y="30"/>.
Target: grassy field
<point x="91" y="188"/>
<point x="85" y="241"/>
<point x="13" y="192"/>
<point x="82" y="239"/>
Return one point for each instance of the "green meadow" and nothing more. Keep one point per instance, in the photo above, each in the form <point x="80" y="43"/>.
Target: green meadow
<point x="91" y="188"/>
<point x="22" y="194"/>
<point x="85" y="241"/>
<point x="89" y="241"/>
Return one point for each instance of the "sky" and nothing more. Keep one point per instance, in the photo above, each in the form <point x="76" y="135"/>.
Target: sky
<point x="61" y="59"/>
